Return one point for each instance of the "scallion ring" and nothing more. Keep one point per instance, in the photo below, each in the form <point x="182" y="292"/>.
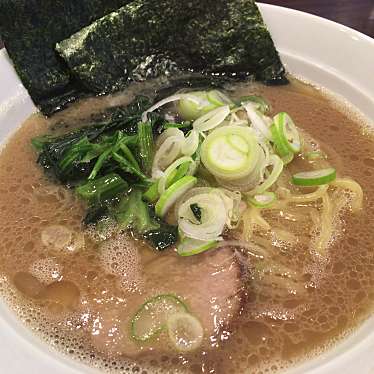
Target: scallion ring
<point x="278" y="166"/>
<point x="212" y="119"/>
<point x="179" y="97"/>
<point x="218" y="98"/>
<point x="287" y="133"/>
<point x="191" y="143"/>
<point x="230" y="152"/>
<point x="264" y="200"/>
<point x="163" y="180"/>
<point x="258" y="121"/>
<point x="315" y="177"/>
<point x="315" y="155"/>
<point x="260" y="103"/>
<point x="173" y="193"/>
<point x="194" y="105"/>
<point x="190" y="247"/>
<point x="213" y="217"/>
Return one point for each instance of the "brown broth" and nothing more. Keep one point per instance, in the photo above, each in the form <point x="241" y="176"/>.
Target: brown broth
<point x="269" y="335"/>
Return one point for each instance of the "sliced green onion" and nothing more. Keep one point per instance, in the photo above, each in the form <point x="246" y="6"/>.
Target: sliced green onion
<point x="315" y="155"/>
<point x="185" y="332"/>
<point x="264" y="200"/>
<point x="183" y="170"/>
<point x="315" y="177"/>
<point x="168" y="133"/>
<point x="232" y="200"/>
<point x="180" y="97"/>
<point x="191" y="247"/>
<point x="191" y="143"/>
<point x="152" y="194"/>
<point x="260" y="103"/>
<point x="174" y="166"/>
<point x="152" y="316"/>
<point x="279" y="146"/>
<point x="194" y="105"/>
<point x="230" y="152"/>
<point x="168" y="151"/>
<point x="258" y="121"/>
<point x="278" y="166"/>
<point x="287" y="133"/>
<point x="213" y="216"/>
<point x="173" y="193"/>
<point x="212" y="119"/>
<point x="218" y="98"/>
<point x="288" y="159"/>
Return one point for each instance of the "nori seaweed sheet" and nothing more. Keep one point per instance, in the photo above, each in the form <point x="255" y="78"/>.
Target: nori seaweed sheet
<point x="30" y="30"/>
<point x="146" y="38"/>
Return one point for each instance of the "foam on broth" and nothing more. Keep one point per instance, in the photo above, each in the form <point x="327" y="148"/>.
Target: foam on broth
<point x="270" y="334"/>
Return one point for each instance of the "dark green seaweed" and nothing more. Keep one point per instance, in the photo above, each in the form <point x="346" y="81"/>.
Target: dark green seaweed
<point x="144" y="38"/>
<point x="31" y="28"/>
<point x="196" y="210"/>
<point x="162" y="238"/>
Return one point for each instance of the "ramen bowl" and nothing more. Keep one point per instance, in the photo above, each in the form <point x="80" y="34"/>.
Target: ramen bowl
<point x="314" y="49"/>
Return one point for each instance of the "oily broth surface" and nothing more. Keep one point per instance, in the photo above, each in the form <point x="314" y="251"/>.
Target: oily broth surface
<point x="271" y="333"/>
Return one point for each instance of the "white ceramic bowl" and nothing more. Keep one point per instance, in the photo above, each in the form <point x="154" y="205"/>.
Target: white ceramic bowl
<point x="321" y="51"/>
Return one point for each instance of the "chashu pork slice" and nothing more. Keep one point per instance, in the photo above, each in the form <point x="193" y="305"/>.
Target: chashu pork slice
<point x="212" y="285"/>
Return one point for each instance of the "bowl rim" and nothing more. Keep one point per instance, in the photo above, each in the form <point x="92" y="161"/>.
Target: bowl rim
<point x="265" y="6"/>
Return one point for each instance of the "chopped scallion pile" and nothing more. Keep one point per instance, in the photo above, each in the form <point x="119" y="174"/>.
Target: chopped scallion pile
<point x="140" y="165"/>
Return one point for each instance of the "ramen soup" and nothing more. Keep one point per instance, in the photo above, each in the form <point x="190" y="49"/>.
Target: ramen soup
<point x="226" y="231"/>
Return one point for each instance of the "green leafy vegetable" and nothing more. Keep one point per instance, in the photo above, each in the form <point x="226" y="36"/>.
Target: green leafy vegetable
<point x="103" y="160"/>
<point x="128" y="167"/>
<point x="96" y="214"/>
<point x="152" y="194"/>
<point x="146" y="146"/>
<point x="87" y="152"/>
<point x="132" y="212"/>
<point x="101" y="190"/>
<point x="39" y="142"/>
